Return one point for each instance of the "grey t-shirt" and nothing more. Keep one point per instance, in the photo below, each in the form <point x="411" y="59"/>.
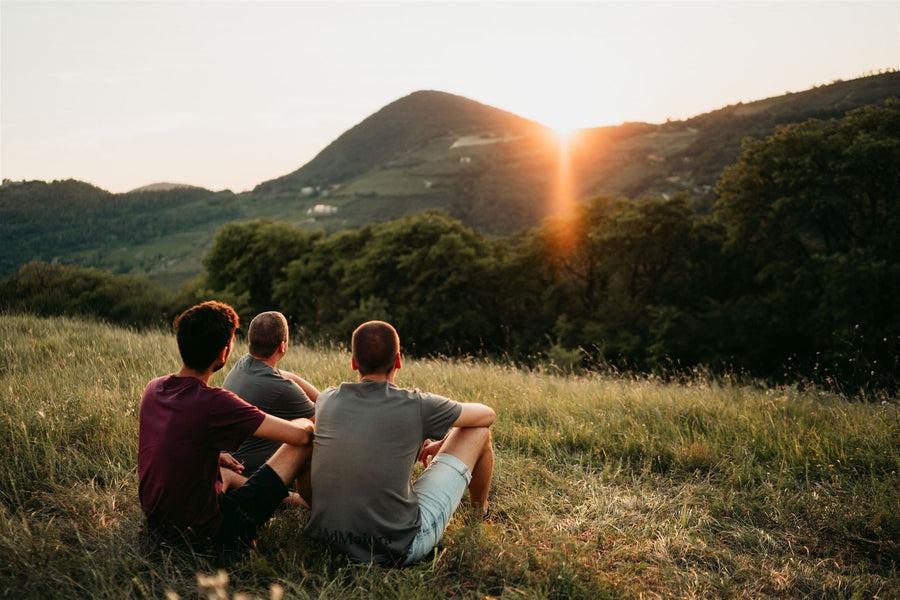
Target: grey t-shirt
<point x="265" y="387"/>
<point x="368" y="437"/>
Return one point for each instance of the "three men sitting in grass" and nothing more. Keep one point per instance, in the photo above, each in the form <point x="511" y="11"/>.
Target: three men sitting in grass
<point x="368" y="436"/>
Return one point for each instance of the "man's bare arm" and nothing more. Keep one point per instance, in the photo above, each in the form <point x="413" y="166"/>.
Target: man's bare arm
<point x="474" y="414"/>
<point x="308" y="388"/>
<point x="297" y="432"/>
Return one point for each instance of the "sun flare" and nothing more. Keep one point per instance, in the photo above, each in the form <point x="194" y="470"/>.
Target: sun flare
<point x="563" y="132"/>
<point x="564" y="124"/>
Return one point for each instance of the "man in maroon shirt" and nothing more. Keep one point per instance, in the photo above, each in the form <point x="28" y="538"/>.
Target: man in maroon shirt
<point x="185" y="425"/>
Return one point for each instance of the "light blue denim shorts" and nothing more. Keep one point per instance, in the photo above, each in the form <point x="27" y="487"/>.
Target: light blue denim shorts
<point x="439" y="489"/>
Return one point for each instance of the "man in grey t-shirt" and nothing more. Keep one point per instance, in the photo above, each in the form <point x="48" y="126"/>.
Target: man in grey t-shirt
<point x="257" y="380"/>
<point x="368" y="437"/>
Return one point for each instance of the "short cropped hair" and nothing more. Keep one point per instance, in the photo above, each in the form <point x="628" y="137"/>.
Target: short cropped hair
<point x="203" y="331"/>
<point x="375" y="346"/>
<point x="267" y="331"/>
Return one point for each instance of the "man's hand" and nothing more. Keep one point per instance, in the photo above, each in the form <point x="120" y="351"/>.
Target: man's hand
<point x="229" y="462"/>
<point x="429" y="450"/>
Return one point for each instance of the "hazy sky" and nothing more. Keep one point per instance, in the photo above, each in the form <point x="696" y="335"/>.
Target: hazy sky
<point x="229" y="94"/>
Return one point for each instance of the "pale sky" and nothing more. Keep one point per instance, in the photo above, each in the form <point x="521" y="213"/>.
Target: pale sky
<point x="226" y="95"/>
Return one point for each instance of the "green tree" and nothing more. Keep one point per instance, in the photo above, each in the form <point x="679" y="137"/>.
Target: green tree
<point x="445" y="287"/>
<point x="248" y="259"/>
<point x="812" y="214"/>
<point x="632" y="281"/>
<point x="45" y="289"/>
<point x="430" y="272"/>
<point x="312" y="293"/>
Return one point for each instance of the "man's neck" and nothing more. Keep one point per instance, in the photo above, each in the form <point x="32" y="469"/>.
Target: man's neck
<point x="272" y="361"/>
<point x="377" y="377"/>
<point x="203" y="376"/>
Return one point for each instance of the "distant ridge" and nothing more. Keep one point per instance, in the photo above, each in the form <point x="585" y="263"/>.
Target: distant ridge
<point x="398" y="128"/>
<point x="162" y="187"/>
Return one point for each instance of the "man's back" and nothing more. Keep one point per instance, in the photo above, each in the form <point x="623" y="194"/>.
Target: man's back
<point x="264" y="387"/>
<point x="183" y="425"/>
<point x="368" y="436"/>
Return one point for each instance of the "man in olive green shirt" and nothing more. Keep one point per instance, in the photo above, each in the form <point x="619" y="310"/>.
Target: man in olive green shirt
<point x="257" y="380"/>
<point x="368" y="437"/>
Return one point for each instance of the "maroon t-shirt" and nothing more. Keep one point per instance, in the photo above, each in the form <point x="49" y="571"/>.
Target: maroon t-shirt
<point x="184" y="424"/>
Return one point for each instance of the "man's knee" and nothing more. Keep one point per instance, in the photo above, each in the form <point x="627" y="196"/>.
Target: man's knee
<point x="289" y="461"/>
<point x="468" y="444"/>
<point x="479" y="437"/>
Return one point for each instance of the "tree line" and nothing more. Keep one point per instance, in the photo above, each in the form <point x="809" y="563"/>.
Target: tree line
<point x="794" y="275"/>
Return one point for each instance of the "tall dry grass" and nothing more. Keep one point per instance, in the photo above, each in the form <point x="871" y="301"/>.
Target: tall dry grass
<point x="603" y="487"/>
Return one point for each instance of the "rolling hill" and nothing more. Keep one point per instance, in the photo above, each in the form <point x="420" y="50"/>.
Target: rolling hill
<point x="489" y="168"/>
<point x="500" y="173"/>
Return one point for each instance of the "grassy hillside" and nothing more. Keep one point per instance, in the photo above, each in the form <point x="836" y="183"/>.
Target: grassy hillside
<point x="604" y="487"/>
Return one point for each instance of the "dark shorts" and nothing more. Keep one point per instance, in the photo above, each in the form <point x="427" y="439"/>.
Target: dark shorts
<point x="246" y="508"/>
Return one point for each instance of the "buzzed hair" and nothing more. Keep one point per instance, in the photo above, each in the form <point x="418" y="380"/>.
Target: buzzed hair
<point x="375" y="346"/>
<point x="202" y="331"/>
<point x="267" y="331"/>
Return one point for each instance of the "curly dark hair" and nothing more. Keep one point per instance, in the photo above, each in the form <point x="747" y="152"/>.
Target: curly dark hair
<point x="203" y="331"/>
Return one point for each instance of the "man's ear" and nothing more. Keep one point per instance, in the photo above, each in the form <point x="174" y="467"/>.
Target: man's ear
<point x="353" y="364"/>
<point x="397" y="362"/>
<point x="222" y="359"/>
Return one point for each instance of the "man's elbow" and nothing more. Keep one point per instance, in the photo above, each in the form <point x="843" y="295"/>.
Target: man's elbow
<point x="485" y="417"/>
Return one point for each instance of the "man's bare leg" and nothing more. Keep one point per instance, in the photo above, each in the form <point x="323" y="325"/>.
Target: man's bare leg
<point x="290" y="463"/>
<point x="232" y="480"/>
<point x="473" y="446"/>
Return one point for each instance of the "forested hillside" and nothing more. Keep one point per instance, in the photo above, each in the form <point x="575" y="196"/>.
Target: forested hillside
<point x="492" y="171"/>
<point x="793" y="274"/>
<point x="162" y="234"/>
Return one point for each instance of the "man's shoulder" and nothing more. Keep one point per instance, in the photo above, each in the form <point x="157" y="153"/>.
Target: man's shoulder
<point x="244" y="364"/>
<point x="247" y="367"/>
<point x="171" y="384"/>
<point x="419" y="395"/>
<point x="168" y="387"/>
<point x="331" y="391"/>
<point x="219" y="395"/>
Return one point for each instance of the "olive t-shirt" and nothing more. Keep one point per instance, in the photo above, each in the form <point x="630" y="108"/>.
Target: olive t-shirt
<point x="265" y="388"/>
<point x="368" y="437"/>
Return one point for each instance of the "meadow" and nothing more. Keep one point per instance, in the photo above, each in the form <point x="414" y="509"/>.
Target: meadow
<point x="605" y="487"/>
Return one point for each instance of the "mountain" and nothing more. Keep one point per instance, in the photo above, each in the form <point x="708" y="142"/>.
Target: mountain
<point x="489" y="168"/>
<point x="500" y="173"/>
<point x="427" y="150"/>
<point x="401" y="128"/>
